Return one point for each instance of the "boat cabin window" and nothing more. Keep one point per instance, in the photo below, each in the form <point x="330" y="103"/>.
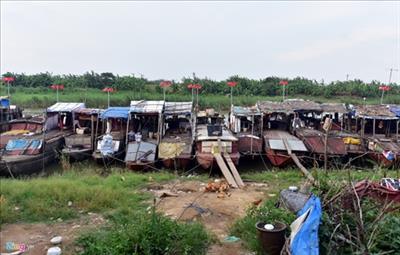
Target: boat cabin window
<point x="279" y="121"/>
<point x="175" y="124"/>
<point x="145" y="125"/>
<point x="382" y="127"/>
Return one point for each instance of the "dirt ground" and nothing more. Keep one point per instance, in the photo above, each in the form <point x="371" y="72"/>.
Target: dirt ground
<point x="216" y="214"/>
<point x="37" y="235"/>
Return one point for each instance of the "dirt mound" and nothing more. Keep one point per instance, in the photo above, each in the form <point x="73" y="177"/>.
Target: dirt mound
<point x="190" y="202"/>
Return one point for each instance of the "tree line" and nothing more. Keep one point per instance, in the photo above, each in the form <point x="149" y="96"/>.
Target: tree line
<point x="268" y="86"/>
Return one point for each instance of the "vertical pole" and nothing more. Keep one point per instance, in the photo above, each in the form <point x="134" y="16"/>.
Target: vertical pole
<point x="383" y="92"/>
<point x="164" y="93"/>
<point x="57" y="93"/>
<point x="283" y="92"/>
<point x="231" y="97"/>
<point x="197" y="102"/>
<point x="8" y="89"/>
<point x="326" y="151"/>
<point x="108" y="98"/>
<point x="192" y="96"/>
<point x="373" y="128"/>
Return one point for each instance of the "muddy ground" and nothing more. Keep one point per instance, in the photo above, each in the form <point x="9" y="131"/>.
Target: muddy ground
<point x="185" y="201"/>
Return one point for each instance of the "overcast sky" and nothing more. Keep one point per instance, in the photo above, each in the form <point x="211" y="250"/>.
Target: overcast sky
<point x="169" y="40"/>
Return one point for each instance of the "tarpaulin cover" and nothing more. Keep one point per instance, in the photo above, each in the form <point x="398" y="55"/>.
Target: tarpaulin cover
<point x="115" y="112"/>
<point x="305" y="242"/>
<point x="395" y="110"/>
<point x="5" y="102"/>
<point x="170" y="150"/>
<point x="65" y="107"/>
<point x="22" y="144"/>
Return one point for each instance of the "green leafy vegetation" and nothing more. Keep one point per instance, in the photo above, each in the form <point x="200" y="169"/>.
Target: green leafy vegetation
<point x="33" y="90"/>
<point x="44" y="199"/>
<point x="267" y="212"/>
<point x="148" y="234"/>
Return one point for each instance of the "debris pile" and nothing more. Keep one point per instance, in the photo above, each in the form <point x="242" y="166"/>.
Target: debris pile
<point x="219" y="187"/>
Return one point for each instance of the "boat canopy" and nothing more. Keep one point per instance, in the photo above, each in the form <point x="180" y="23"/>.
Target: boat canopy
<point x="115" y="112"/>
<point x="88" y="111"/>
<point x="289" y="106"/>
<point x="182" y="108"/>
<point x="245" y="111"/>
<point x="395" y="109"/>
<point x="334" y="108"/>
<point x="382" y="112"/>
<point x="145" y="106"/>
<point x="65" y="107"/>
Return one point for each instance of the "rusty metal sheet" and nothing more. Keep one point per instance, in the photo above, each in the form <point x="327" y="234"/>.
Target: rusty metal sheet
<point x="316" y="144"/>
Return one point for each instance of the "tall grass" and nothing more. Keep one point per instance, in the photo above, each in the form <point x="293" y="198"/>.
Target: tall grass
<point x="43" y="199"/>
<point x="43" y="97"/>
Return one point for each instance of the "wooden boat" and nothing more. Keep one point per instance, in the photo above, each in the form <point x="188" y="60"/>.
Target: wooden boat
<point x="212" y="137"/>
<point x="8" y="113"/>
<point x="176" y="146"/>
<point x="21" y="128"/>
<point x="31" y="152"/>
<point x="246" y="123"/>
<point x="111" y="144"/>
<point x="79" y="146"/>
<point x="145" y="126"/>
<point x="277" y="138"/>
<point x="379" y="128"/>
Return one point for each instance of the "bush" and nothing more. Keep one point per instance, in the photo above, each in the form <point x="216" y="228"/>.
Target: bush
<point x="268" y="212"/>
<point x="147" y="234"/>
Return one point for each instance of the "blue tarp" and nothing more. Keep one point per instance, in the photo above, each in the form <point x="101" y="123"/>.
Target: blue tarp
<point x="395" y="110"/>
<point x="22" y="144"/>
<point x="115" y="112"/>
<point x="306" y="240"/>
<point x="5" y="102"/>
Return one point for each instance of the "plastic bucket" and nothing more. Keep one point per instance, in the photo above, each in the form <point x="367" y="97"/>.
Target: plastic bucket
<point x="272" y="241"/>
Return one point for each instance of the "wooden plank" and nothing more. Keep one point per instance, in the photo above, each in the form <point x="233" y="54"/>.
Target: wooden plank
<point x="234" y="171"/>
<point x="297" y="162"/>
<point x="227" y="174"/>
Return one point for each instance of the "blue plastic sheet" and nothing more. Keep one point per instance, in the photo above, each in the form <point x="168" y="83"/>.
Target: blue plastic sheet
<point x="395" y="110"/>
<point x="306" y="240"/>
<point x="115" y="112"/>
<point x="17" y="144"/>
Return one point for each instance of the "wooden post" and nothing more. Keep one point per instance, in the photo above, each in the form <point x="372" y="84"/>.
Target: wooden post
<point x="397" y="130"/>
<point x="91" y="131"/>
<point x="373" y="128"/>
<point x="127" y="130"/>
<point x="252" y="134"/>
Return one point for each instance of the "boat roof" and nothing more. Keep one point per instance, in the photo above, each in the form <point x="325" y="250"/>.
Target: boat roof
<point x="202" y="134"/>
<point x="88" y="111"/>
<point x="115" y="112"/>
<point x="374" y="112"/>
<point x="334" y="107"/>
<point x="145" y="106"/>
<point x="245" y="111"/>
<point x="65" y="107"/>
<point x="289" y="106"/>
<point x="172" y="108"/>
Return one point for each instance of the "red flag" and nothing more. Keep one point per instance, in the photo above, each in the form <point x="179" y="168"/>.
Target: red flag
<point x="108" y="89"/>
<point x="196" y="86"/>
<point x="232" y="83"/>
<point x="283" y="83"/>
<point x="8" y="79"/>
<point x="384" y="88"/>
<point x="190" y="86"/>
<point x="165" y="84"/>
<point x="57" y="86"/>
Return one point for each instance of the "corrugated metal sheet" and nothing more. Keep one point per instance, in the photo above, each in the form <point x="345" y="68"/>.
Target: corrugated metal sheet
<point x="145" y="106"/>
<point x="115" y="112"/>
<point x="178" y="108"/>
<point x="65" y="107"/>
<point x="246" y="111"/>
<point x="88" y="111"/>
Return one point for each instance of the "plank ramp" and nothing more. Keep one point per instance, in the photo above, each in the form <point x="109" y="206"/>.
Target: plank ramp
<point x="225" y="170"/>
<point x="297" y="162"/>
<point x="234" y="171"/>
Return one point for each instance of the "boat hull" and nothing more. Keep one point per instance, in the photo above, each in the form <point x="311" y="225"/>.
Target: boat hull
<point x="278" y="158"/>
<point x="182" y="162"/>
<point x="77" y="154"/>
<point x="250" y="145"/>
<point x="30" y="164"/>
<point x="207" y="160"/>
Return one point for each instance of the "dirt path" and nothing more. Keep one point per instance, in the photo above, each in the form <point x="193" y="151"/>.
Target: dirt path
<point x="216" y="214"/>
<point x="37" y="235"/>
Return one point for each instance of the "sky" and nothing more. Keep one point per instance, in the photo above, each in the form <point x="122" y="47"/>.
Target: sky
<point x="170" y="40"/>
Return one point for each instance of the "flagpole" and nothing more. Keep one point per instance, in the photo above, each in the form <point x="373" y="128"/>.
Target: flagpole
<point x="8" y="89"/>
<point x="57" y="93"/>
<point x="108" y="98"/>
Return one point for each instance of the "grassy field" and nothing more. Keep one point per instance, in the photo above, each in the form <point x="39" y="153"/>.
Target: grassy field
<point x="43" y="97"/>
